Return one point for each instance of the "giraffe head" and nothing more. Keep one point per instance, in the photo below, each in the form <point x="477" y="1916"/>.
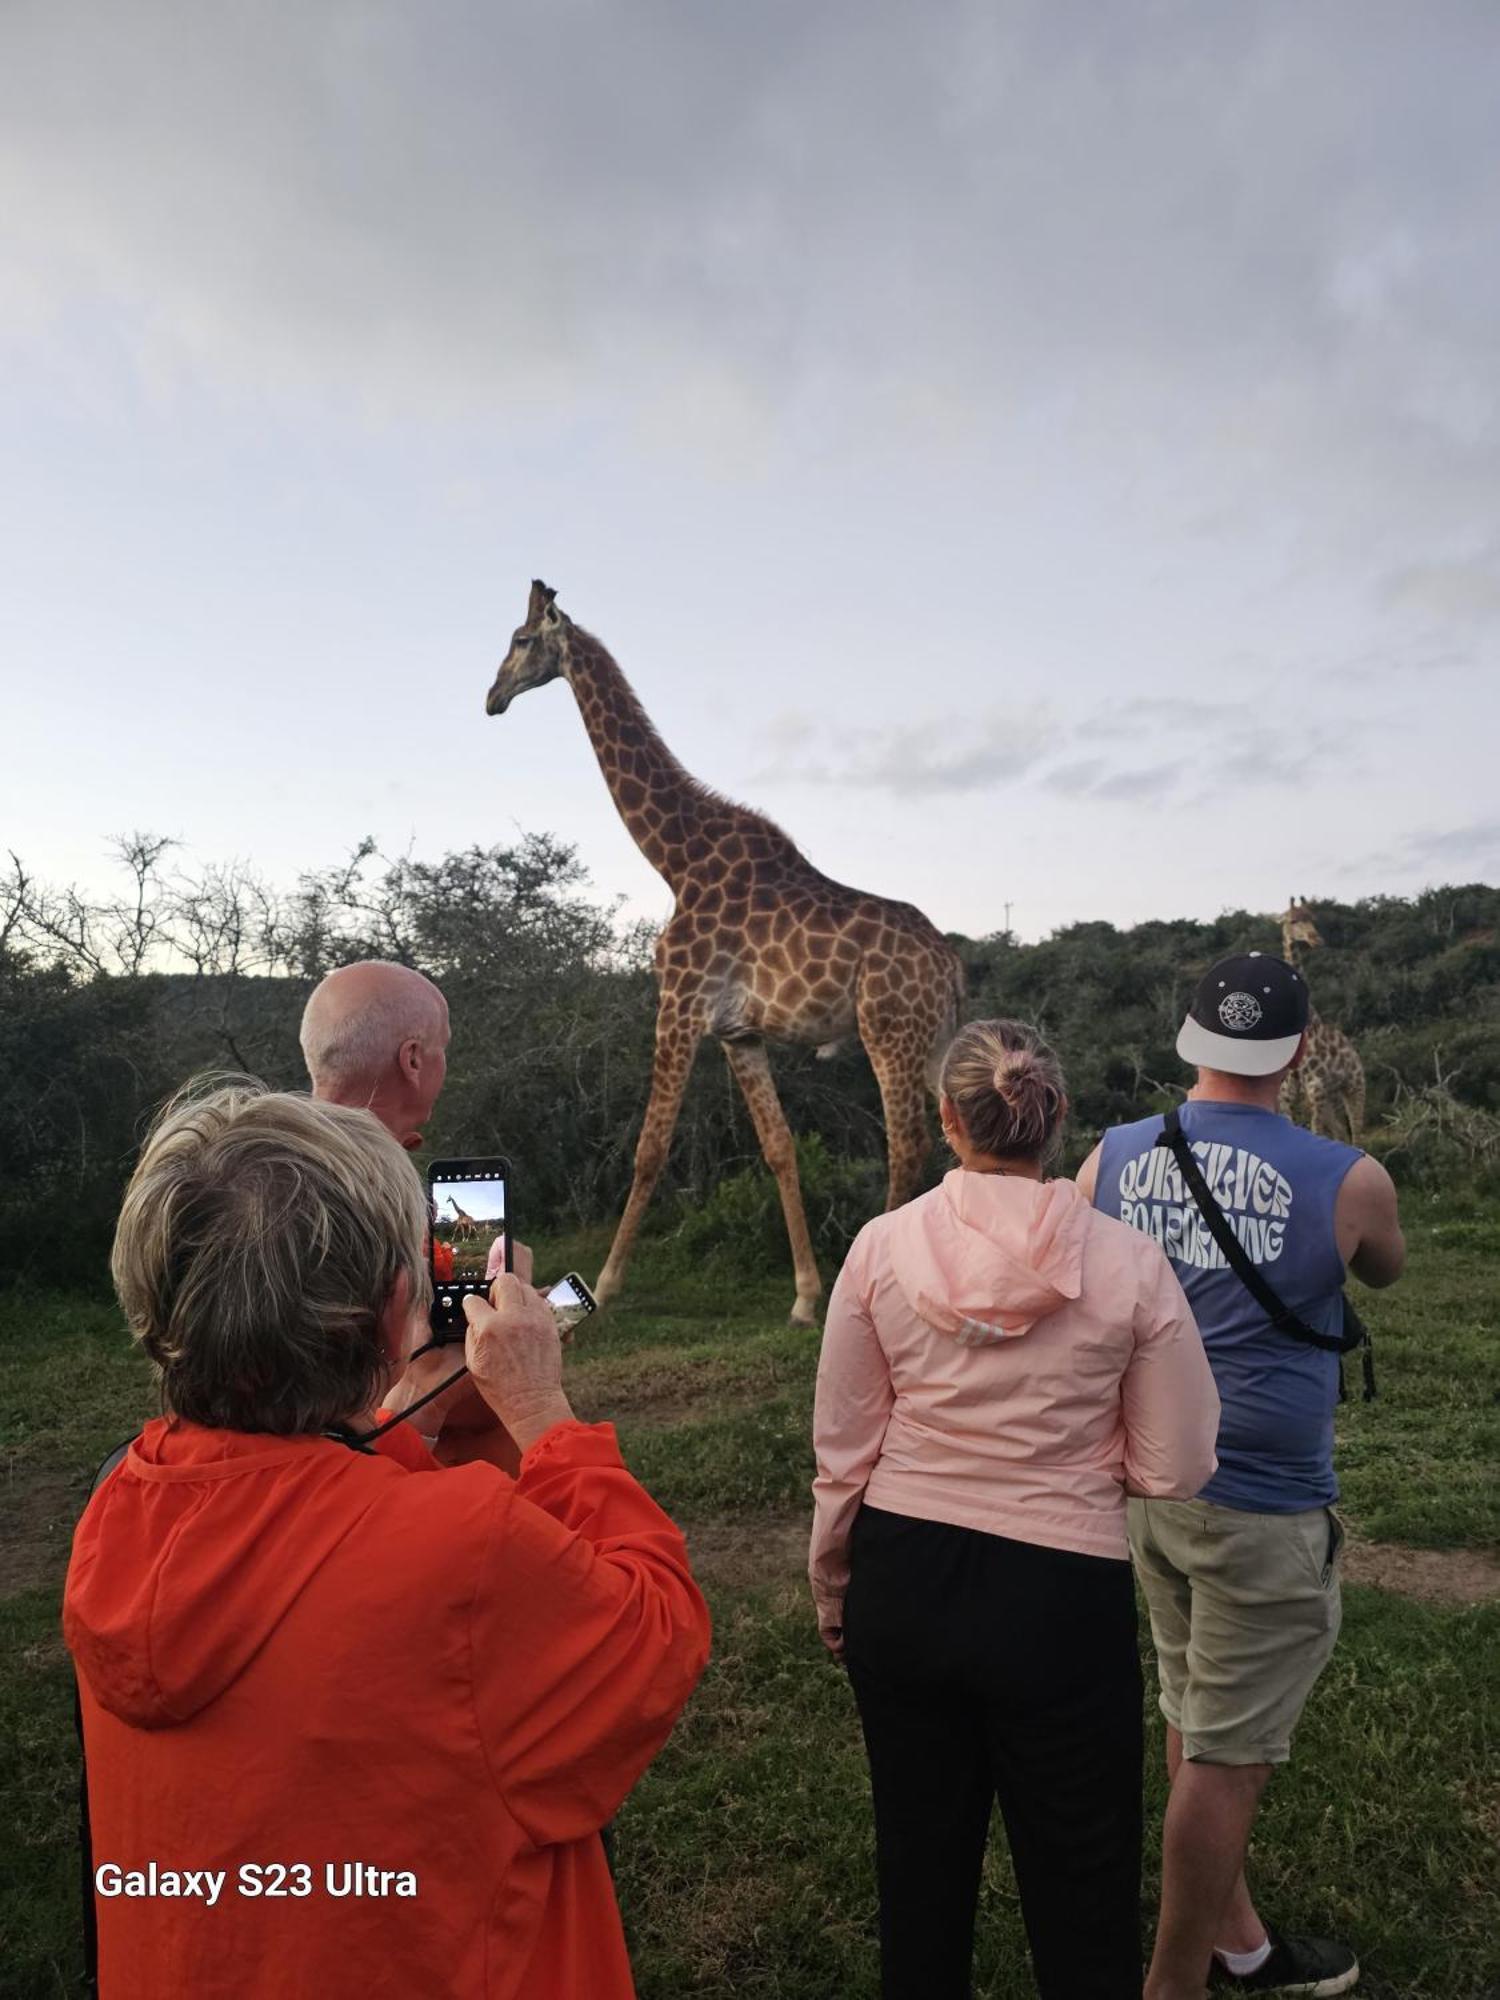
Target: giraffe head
<point x="1297" y="927"/>
<point x="538" y="651"/>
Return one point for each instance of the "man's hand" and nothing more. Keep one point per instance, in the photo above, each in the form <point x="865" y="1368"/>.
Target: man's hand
<point x="423" y="1374"/>
<point x="515" y="1358"/>
<point x="833" y="1638"/>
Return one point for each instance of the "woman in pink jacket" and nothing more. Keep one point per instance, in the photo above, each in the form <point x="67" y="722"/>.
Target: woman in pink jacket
<point x="1001" y="1365"/>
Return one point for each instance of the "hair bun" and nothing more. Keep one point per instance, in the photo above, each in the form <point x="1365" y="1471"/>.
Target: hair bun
<point x="1013" y="1064"/>
<point x="1006" y="1088"/>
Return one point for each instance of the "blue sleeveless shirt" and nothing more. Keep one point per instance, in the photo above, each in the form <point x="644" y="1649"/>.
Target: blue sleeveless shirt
<point x="1277" y="1183"/>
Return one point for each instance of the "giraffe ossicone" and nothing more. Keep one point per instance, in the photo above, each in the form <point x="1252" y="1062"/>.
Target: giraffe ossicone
<point x="761" y="946"/>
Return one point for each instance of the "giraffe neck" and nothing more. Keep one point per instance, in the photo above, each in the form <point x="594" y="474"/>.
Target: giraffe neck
<point x="660" y="802"/>
<point x="1295" y="954"/>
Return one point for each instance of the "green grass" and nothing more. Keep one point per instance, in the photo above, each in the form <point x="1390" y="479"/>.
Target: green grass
<point x="745" y="1865"/>
<point x="744" y="1855"/>
<point x="1418" y="1465"/>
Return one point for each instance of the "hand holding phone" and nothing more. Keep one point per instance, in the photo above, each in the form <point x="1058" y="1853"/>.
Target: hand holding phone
<point x="515" y="1358"/>
<point x="468" y="1205"/>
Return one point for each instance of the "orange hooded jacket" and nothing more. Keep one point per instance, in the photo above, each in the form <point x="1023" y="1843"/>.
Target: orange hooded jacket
<point x="298" y="1657"/>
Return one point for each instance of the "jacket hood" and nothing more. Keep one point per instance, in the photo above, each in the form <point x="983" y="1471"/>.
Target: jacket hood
<point x="985" y="1256"/>
<point x="190" y="1556"/>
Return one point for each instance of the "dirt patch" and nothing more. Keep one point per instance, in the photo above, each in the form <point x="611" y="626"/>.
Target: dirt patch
<point x="1430" y="1576"/>
<point x="657" y="1413"/>
<point x="40" y="1506"/>
<point x="752" y="1553"/>
<point x="662" y="1385"/>
<point x="749" y="1554"/>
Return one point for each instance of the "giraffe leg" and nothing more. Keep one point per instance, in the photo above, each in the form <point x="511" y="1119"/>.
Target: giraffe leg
<point x="1354" y="1108"/>
<point x="900" y="1068"/>
<point x="677" y="1038"/>
<point x="752" y="1072"/>
<point x="1316" y="1098"/>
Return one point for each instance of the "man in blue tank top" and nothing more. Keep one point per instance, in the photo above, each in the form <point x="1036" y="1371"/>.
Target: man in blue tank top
<point x="1242" y="1583"/>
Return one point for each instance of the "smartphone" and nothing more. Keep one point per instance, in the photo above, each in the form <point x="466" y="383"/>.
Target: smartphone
<point x="468" y="1205"/>
<point x="571" y="1301"/>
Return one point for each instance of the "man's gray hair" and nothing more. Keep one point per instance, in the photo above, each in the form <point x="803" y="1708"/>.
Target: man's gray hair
<point x="355" y="1043"/>
<point x="260" y="1241"/>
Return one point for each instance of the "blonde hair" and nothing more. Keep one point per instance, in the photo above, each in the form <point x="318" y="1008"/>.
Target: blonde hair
<point x="260" y="1239"/>
<point x="1007" y="1088"/>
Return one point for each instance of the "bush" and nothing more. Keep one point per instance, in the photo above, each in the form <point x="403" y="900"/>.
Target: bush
<point x="106" y="1008"/>
<point x="1433" y="1140"/>
<point x="738" y="1228"/>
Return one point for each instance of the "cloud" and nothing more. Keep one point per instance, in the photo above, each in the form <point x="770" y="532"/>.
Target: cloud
<point x="1092" y="778"/>
<point x="917" y="758"/>
<point x="1476" y="846"/>
<point x="1249" y="744"/>
<point x="1470" y="851"/>
<point x="1407" y="661"/>
<point x="1076" y="780"/>
<point x="1459" y="591"/>
<point x="733" y="222"/>
<point x="1207" y="744"/>
<point x="1146" y="715"/>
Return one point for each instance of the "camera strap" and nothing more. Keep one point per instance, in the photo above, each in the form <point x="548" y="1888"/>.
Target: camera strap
<point x="361" y="1440"/>
<point x="1354" y="1334"/>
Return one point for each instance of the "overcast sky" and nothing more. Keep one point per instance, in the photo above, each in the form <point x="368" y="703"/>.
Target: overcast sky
<point x="1042" y="454"/>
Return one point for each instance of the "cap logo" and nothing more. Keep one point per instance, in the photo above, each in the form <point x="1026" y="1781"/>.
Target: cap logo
<point x="1239" y="1011"/>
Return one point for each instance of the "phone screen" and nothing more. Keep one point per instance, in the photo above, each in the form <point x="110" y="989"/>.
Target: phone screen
<point x="571" y="1301"/>
<point x="469" y="1246"/>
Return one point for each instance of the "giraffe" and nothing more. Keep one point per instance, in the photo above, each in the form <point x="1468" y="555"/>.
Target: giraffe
<point x="1328" y="1091"/>
<point x="464" y="1225"/>
<point x="760" y="946"/>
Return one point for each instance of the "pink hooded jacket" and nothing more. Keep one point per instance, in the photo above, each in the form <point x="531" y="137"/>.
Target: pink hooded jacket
<point x="1000" y="1355"/>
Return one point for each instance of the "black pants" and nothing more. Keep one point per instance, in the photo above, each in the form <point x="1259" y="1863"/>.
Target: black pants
<point x="983" y="1669"/>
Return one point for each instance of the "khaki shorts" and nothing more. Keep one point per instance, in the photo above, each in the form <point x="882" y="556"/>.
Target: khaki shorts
<point x="1244" y="1612"/>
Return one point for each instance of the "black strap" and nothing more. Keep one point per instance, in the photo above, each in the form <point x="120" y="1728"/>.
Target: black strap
<point x="85" y="1830"/>
<point x="1354" y="1334"/>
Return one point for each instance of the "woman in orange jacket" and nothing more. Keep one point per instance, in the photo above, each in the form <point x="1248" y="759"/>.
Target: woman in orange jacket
<point x="354" y="1715"/>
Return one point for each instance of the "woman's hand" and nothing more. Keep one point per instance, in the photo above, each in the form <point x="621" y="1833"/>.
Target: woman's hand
<point x="515" y="1358"/>
<point x="464" y="1409"/>
<point x="461" y="1408"/>
<point x="833" y="1638"/>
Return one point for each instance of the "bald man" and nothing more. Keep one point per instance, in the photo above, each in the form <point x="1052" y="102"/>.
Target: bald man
<point x="375" y="1035"/>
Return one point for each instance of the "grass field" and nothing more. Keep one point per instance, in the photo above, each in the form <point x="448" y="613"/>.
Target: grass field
<point x="744" y="1862"/>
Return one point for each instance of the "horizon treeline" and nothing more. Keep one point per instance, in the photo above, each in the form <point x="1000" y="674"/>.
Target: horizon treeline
<point x="107" y="1008"/>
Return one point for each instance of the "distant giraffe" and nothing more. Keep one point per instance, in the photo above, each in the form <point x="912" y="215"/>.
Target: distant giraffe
<point x="1328" y="1091"/>
<point x="760" y="947"/>
<point x="465" y="1226"/>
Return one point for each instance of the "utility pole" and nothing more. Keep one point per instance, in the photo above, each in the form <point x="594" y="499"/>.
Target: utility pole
<point x="1007" y="919"/>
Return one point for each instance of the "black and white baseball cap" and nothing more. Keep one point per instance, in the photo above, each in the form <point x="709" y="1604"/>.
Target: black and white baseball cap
<point x="1247" y="1016"/>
